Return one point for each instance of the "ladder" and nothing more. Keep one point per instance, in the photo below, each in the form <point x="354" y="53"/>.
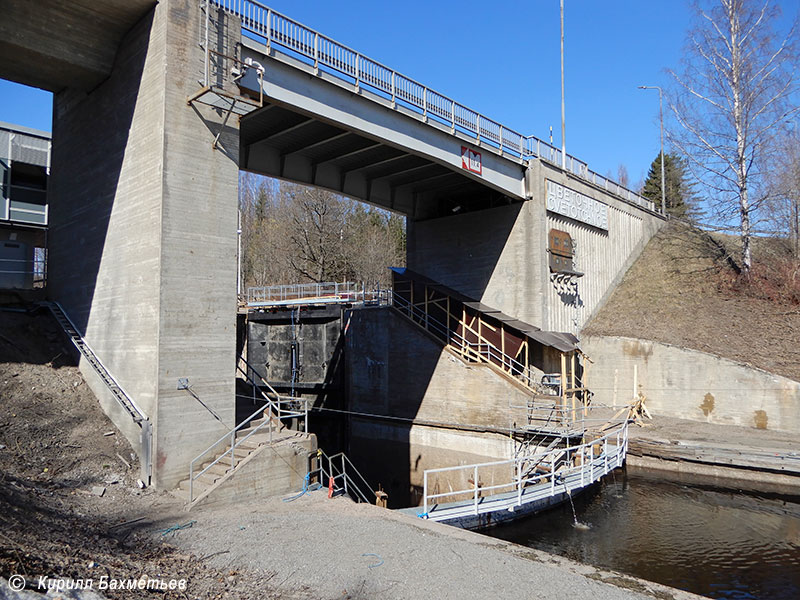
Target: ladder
<point x="123" y="399"/>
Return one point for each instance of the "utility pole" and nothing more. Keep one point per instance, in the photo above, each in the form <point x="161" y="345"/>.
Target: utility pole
<point x="661" y="118"/>
<point x="563" y="107"/>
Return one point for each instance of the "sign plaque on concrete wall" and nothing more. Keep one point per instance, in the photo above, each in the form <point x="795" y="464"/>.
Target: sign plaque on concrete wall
<point x="572" y="204"/>
<point x="471" y="160"/>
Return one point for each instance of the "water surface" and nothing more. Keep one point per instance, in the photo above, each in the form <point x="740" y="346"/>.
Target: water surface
<point x="717" y="543"/>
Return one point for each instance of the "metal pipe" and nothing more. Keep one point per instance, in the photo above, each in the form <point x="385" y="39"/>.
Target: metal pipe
<point x="661" y="119"/>
<point x="475" y="485"/>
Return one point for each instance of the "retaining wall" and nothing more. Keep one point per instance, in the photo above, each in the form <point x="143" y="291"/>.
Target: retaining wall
<point x="689" y="384"/>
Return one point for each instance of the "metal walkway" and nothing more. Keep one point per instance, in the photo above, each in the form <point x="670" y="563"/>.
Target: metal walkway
<point x="347" y="292"/>
<point x="561" y="472"/>
<point x="136" y="414"/>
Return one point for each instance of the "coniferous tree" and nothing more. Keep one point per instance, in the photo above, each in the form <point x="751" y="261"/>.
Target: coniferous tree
<point x="679" y="190"/>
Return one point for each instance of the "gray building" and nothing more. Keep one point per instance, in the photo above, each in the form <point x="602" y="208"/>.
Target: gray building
<point x="24" y="170"/>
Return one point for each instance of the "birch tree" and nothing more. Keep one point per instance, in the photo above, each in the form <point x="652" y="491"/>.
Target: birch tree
<point x="734" y="95"/>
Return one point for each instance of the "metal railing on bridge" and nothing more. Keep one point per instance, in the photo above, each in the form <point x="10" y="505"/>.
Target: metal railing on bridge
<point x="561" y="470"/>
<point x="321" y="51"/>
<point x="314" y="293"/>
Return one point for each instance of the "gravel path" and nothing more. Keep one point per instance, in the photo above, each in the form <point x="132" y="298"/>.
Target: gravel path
<point x="319" y="548"/>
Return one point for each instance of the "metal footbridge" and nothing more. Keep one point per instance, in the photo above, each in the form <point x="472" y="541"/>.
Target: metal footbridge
<point x="502" y="490"/>
<point x="303" y="294"/>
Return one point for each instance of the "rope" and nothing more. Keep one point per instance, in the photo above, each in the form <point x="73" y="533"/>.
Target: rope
<point x="305" y="489"/>
<point x="377" y="564"/>
<point x="175" y="528"/>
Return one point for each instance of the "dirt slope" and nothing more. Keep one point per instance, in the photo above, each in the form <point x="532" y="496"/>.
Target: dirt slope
<point x="683" y="290"/>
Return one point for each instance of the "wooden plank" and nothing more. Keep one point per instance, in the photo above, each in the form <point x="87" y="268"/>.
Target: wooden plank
<point x="572" y="393"/>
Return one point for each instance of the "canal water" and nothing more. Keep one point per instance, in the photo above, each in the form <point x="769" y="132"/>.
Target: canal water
<point x="713" y="542"/>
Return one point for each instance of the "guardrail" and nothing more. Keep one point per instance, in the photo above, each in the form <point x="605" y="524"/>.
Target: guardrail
<point x="297" y="293"/>
<point x="339" y="468"/>
<point x="321" y="51"/>
<point x="476" y="351"/>
<point x="567" y="469"/>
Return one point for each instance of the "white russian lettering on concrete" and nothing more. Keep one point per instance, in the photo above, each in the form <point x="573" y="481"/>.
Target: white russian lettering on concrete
<point x="575" y="205"/>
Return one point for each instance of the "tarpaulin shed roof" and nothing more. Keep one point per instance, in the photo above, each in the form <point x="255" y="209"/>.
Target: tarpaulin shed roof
<point x="563" y="342"/>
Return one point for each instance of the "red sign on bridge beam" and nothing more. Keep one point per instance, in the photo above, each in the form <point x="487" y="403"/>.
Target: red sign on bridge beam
<point x="471" y="160"/>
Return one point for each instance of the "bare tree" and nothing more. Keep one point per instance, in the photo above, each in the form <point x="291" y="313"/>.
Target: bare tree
<point x="319" y="228"/>
<point x="293" y="233"/>
<point x="622" y="176"/>
<point x="784" y="203"/>
<point x="737" y="89"/>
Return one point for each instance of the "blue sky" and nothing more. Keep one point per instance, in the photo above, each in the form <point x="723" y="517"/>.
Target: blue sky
<point x="502" y="59"/>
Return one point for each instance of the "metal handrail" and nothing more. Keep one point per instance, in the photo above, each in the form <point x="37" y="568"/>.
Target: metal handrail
<point x="274" y="405"/>
<point x="405" y="307"/>
<point x="587" y="469"/>
<point x="320" y="50"/>
<point x="279" y="399"/>
<point x="349" y="485"/>
<point x="348" y="291"/>
<point x="297" y="291"/>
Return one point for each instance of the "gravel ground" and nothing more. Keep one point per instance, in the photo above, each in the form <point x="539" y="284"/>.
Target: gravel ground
<point x="336" y="549"/>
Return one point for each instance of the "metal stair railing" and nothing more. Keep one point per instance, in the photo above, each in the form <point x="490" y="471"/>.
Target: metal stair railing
<point x="231" y="440"/>
<point x="489" y="354"/>
<point x="124" y="399"/>
<point x="276" y="403"/>
<point x="338" y="468"/>
<point x="318" y="50"/>
<point x="478" y="352"/>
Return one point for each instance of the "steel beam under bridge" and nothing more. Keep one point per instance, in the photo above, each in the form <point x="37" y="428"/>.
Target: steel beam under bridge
<point x="317" y="129"/>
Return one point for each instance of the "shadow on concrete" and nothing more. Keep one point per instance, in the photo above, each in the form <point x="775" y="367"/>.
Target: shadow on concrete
<point x="90" y="143"/>
<point x="390" y="363"/>
<point x="462" y="251"/>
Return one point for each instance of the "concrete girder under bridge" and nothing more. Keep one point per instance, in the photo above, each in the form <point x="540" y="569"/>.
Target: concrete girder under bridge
<point x="320" y="130"/>
<point x="57" y="44"/>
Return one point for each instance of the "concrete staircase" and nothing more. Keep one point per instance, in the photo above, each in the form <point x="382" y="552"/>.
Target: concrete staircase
<point x="238" y="462"/>
<point x="243" y="472"/>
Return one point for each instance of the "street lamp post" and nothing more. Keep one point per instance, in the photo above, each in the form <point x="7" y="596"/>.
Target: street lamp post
<point x="563" y="107"/>
<point x="661" y="118"/>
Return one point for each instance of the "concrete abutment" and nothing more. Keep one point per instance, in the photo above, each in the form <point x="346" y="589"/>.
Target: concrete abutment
<point x="143" y="236"/>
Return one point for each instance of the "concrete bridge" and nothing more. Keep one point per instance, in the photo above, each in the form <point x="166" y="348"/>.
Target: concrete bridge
<point x="159" y="104"/>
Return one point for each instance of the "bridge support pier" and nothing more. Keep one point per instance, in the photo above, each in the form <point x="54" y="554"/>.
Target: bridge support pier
<point x="143" y="238"/>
